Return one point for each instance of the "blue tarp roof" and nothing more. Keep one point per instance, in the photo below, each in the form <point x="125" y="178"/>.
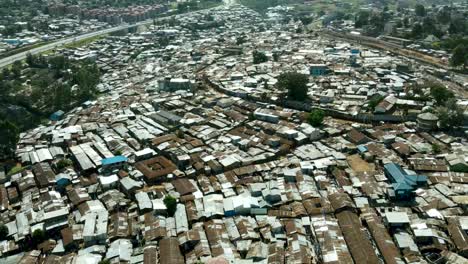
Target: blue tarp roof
<point x="362" y="148"/>
<point x="113" y="160"/>
<point x="401" y="179"/>
<point x="57" y="115"/>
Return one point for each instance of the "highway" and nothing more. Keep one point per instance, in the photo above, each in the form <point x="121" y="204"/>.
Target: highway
<point x="22" y="55"/>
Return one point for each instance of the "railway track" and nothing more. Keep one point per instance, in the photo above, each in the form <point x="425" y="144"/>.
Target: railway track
<point x="383" y="45"/>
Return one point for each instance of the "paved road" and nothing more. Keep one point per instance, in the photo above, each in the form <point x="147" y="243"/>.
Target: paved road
<point x="21" y="56"/>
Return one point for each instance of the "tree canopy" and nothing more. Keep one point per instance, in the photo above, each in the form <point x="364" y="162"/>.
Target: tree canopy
<point x="171" y="205"/>
<point x="295" y="83"/>
<point x="3" y="232"/>
<point x="441" y="94"/>
<point x="450" y="115"/>
<point x="63" y="163"/>
<point x="9" y="137"/>
<point x="420" y="10"/>
<point x="460" y="56"/>
<point x="316" y="117"/>
<point x="362" y="19"/>
<point x="38" y="236"/>
<point x="259" y="57"/>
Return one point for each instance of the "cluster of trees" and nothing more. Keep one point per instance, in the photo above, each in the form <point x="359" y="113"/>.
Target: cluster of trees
<point x="63" y="163"/>
<point x="460" y="56"/>
<point x="56" y="77"/>
<point x="295" y="83"/>
<point x="374" y="23"/>
<point x="427" y="27"/>
<point x="440" y="94"/>
<point x="9" y="137"/>
<point x="259" y="57"/>
<point x="111" y="3"/>
<point x="449" y="113"/>
<point x="183" y="7"/>
<point x="40" y="87"/>
<point x="263" y="5"/>
<point x="336" y="15"/>
<point x="11" y="30"/>
<point x="19" y="10"/>
<point x="437" y="23"/>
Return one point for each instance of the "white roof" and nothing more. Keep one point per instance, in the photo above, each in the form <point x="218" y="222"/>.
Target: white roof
<point x="108" y="180"/>
<point x="397" y="217"/>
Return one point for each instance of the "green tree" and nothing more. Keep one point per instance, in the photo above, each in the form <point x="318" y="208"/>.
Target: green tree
<point x="171" y="205"/>
<point x="63" y="163"/>
<point x="450" y="115"/>
<point x="377" y="21"/>
<point x="459" y="56"/>
<point x="58" y="62"/>
<point x="86" y="77"/>
<point x="417" y="30"/>
<point x="316" y="117"/>
<point x="436" y="148"/>
<point x="374" y="101"/>
<point x="3" y="232"/>
<point x="276" y="56"/>
<point x="16" y="69"/>
<point x="104" y="261"/>
<point x="362" y="19"/>
<point x="38" y="236"/>
<point x="406" y="21"/>
<point x="164" y="41"/>
<point x="62" y="96"/>
<point x="9" y="136"/>
<point x="179" y="133"/>
<point x="5" y="73"/>
<point x="295" y="83"/>
<point x="30" y="59"/>
<point x="429" y="26"/>
<point x="259" y="57"/>
<point x="457" y="26"/>
<point x="420" y="10"/>
<point x="444" y="16"/>
<point x="241" y="40"/>
<point x="441" y="94"/>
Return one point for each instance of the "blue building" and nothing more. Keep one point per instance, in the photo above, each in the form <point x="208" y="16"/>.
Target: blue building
<point x="362" y="149"/>
<point x="114" y="163"/>
<point x="318" y="69"/>
<point x="57" y="115"/>
<point x="403" y="183"/>
<point x="62" y="180"/>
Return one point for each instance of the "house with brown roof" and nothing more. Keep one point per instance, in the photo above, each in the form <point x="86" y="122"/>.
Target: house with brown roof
<point x="156" y="169"/>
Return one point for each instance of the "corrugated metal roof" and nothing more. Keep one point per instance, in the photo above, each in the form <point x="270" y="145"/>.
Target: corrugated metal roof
<point x="113" y="160"/>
